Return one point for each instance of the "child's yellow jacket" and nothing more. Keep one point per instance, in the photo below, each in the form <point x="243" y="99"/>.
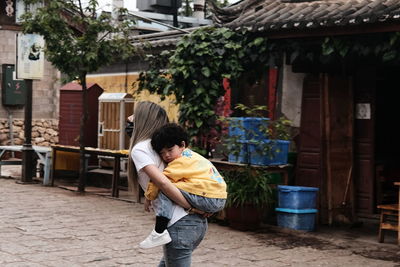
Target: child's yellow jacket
<point x="194" y="174"/>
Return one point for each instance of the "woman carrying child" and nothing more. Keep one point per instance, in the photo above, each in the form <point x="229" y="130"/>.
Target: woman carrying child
<point x="186" y="230"/>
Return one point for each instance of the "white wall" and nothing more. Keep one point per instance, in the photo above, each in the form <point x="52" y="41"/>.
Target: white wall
<point x="292" y="91"/>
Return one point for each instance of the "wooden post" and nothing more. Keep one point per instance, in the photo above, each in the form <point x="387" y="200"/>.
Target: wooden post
<point x="398" y="212"/>
<point x="351" y="133"/>
<point x="82" y="137"/>
<point x="27" y="150"/>
<point x="115" y="178"/>
<point x="327" y="137"/>
<point x="175" y="13"/>
<point x="272" y="83"/>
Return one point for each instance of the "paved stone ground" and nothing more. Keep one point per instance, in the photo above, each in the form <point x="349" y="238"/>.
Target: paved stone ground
<point x="49" y="226"/>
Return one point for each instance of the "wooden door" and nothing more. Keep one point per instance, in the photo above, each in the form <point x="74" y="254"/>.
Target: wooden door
<point x="338" y="146"/>
<point x="325" y="149"/>
<point x="110" y="125"/>
<point x="309" y="167"/>
<point x="364" y="142"/>
<point x="70" y="115"/>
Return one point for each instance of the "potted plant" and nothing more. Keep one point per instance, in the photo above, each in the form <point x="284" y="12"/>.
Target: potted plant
<point x="255" y="139"/>
<point x="250" y="194"/>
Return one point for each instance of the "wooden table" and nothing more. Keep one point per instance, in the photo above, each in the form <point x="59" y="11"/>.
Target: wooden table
<point x="282" y="169"/>
<point x="116" y="154"/>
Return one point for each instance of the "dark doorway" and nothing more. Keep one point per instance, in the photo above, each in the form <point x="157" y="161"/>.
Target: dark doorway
<point x="251" y="89"/>
<point x="387" y="139"/>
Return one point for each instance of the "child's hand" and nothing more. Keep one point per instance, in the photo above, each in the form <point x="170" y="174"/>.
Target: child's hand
<point x="147" y="205"/>
<point x="207" y="215"/>
<point x="200" y="212"/>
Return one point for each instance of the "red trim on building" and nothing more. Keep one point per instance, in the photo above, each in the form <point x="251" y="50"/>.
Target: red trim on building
<point x="272" y="83"/>
<point x="227" y="97"/>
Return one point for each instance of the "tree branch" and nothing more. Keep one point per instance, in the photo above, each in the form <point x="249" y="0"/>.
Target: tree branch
<point x="104" y="36"/>
<point x="81" y="9"/>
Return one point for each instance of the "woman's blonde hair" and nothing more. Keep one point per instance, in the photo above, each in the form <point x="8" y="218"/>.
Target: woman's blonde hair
<point x="148" y="117"/>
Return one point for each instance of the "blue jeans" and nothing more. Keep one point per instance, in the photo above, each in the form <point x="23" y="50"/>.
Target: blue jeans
<point x="186" y="235"/>
<point x="206" y="204"/>
<point x="211" y="205"/>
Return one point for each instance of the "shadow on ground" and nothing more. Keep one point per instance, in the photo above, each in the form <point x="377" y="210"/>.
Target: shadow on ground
<point x="272" y="235"/>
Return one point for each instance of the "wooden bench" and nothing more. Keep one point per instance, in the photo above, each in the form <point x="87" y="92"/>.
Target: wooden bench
<point x="43" y="153"/>
<point x="389" y="220"/>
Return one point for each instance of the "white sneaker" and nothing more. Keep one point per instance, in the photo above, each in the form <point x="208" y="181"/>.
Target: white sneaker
<point x="155" y="239"/>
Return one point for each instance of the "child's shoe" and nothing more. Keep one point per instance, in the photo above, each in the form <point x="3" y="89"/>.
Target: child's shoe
<point x="155" y="239"/>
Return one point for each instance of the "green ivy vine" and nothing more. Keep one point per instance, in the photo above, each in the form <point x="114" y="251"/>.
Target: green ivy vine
<point x="383" y="47"/>
<point x="195" y="70"/>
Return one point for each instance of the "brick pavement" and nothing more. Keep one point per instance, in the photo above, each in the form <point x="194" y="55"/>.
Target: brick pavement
<point x="49" y="226"/>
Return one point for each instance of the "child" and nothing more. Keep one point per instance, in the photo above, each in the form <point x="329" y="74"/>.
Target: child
<point x="195" y="176"/>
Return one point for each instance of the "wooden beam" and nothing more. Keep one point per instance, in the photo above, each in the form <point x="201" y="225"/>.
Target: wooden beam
<point x="272" y="82"/>
<point x="327" y="138"/>
<point x="11" y="27"/>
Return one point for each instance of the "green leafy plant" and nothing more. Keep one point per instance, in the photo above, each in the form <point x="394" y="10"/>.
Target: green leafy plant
<point x="195" y="70"/>
<point x="382" y="47"/>
<point x="249" y="186"/>
<point x="253" y="111"/>
<point x="273" y="130"/>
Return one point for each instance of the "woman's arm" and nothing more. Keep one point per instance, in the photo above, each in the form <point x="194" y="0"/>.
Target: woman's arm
<point x="165" y="185"/>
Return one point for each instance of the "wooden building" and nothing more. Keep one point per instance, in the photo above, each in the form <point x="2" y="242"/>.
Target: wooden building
<point x="71" y="109"/>
<point x="114" y="110"/>
<point x="347" y="144"/>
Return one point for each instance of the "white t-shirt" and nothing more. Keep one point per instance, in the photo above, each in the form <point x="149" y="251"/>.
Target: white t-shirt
<point x="143" y="155"/>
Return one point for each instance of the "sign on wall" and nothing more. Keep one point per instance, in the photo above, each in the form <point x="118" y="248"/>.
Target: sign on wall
<point x="363" y="111"/>
<point x="30" y="56"/>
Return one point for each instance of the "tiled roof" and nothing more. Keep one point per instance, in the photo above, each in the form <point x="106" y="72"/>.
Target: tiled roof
<point x="272" y="15"/>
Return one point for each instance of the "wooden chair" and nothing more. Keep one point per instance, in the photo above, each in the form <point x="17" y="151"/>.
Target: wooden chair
<point x="389" y="220"/>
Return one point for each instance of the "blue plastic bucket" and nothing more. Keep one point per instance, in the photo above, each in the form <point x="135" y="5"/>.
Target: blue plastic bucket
<point x="236" y="128"/>
<point x="298" y="219"/>
<point x="277" y="156"/>
<point x="246" y="128"/>
<point x="242" y="157"/>
<point x="297" y="197"/>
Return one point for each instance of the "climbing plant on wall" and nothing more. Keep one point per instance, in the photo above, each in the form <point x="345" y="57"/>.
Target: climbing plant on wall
<point x="382" y="47"/>
<point x="195" y="70"/>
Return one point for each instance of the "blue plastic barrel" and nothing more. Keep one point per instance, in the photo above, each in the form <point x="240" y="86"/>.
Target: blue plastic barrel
<point x="242" y="157"/>
<point x="297" y="197"/>
<point x="246" y="128"/>
<point x="302" y="219"/>
<point x="277" y="156"/>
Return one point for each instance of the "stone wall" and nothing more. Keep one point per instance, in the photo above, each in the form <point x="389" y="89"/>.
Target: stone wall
<point x="44" y="132"/>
